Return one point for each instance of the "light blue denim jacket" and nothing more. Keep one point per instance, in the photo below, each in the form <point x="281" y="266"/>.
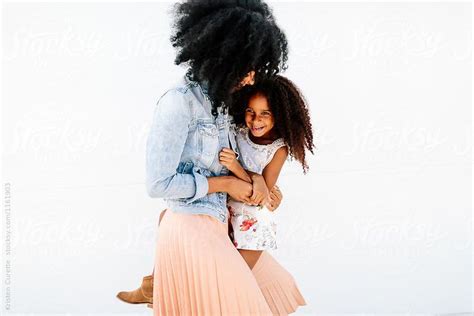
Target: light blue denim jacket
<point x="182" y="150"/>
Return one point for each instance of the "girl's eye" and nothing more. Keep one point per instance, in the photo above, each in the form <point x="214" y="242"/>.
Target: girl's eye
<point x="249" y="110"/>
<point x="266" y="113"/>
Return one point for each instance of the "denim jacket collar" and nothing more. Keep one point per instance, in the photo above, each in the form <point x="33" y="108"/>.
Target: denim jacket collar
<point x="204" y="88"/>
<point x="203" y="85"/>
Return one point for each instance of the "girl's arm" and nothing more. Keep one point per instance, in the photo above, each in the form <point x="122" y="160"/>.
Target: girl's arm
<point x="228" y="158"/>
<point x="263" y="185"/>
<point x="272" y="170"/>
<point x="241" y="173"/>
<point x="261" y="188"/>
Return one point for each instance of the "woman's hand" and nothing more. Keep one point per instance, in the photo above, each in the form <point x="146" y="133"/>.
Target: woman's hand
<point x="228" y="159"/>
<point x="260" y="193"/>
<point x="275" y="198"/>
<point x="239" y="190"/>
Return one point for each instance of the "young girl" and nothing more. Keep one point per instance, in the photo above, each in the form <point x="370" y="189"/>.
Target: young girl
<point x="275" y="123"/>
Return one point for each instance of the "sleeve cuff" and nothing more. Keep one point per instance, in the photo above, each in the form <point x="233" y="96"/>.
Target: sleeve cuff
<point x="202" y="186"/>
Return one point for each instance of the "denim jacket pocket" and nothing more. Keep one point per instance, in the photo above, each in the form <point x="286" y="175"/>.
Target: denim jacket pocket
<point x="208" y="143"/>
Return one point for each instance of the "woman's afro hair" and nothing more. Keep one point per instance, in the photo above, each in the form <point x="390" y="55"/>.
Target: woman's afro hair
<point x="221" y="41"/>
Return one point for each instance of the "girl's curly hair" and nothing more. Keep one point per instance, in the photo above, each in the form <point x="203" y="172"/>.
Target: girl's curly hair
<point x="289" y="109"/>
<point x="221" y="41"/>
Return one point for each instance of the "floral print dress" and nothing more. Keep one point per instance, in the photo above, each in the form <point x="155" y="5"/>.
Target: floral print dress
<point x="254" y="227"/>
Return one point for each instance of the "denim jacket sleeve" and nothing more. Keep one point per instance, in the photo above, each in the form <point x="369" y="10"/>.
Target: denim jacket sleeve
<point x="164" y="147"/>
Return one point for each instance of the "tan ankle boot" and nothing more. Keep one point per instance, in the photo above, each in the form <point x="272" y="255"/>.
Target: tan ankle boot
<point x="142" y="295"/>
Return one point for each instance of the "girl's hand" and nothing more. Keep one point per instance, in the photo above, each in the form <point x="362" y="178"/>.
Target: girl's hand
<point x="260" y="193"/>
<point x="239" y="190"/>
<point x="228" y="159"/>
<point x="275" y="198"/>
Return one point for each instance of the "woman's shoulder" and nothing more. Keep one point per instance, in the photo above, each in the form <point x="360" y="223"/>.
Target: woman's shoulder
<point x="180" y="94"/>
<point x="180" y="87"/>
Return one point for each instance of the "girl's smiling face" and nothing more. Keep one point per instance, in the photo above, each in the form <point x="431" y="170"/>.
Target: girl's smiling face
<point x="258" y="117"/>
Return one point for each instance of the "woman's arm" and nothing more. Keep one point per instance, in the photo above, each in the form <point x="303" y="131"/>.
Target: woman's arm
<point x="165" y="144"/>
<point x="270" y="174"/>
<point x="260" y="192"/>
<point x="238" y="189"/>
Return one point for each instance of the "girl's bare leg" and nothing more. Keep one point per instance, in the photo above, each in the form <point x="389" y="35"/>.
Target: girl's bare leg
<point x="250" y="256"/>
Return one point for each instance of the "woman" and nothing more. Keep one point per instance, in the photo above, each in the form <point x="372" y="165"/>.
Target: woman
<point x="198" y="271"/>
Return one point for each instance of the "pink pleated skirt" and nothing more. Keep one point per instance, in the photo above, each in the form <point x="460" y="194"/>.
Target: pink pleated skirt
<point x="198" y="271"/>
<point x="277" y="285"/>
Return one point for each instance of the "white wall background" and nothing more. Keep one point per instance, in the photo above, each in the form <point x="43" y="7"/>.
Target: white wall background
<point x="381" y="224"/>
